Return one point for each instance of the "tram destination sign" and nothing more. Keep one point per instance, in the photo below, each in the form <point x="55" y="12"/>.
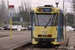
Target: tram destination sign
<point x="47" y="9"/>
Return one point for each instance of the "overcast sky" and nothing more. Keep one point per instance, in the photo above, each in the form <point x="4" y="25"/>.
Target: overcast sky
<point x="35" y="3"/>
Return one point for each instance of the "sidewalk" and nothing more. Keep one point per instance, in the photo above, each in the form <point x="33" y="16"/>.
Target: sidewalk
<point x="16" y="41"/>
<point x="71" y="42"/>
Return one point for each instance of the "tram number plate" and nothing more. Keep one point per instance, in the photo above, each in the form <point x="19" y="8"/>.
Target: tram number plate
<point x="44" y="35"/>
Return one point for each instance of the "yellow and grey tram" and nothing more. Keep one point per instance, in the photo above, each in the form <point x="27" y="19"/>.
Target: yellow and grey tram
<point x="48" y="25"/>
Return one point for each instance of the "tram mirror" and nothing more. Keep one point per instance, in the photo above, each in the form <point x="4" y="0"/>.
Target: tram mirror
<point x="31" y="13"/>
<point x="68" y="19"/>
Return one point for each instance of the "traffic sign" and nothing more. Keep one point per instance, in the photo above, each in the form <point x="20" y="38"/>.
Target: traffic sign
<point x="11" y="11"/>
<point x="21" y="19"/>
<point x="10" y="15"/>
<point x="11" y="6"/>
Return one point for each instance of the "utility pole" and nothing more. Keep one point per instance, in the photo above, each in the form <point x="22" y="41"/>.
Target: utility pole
<point x="73" y="1"/>
<point x="64" y="21"/>
<point x="21" y="10"/>
<point x="63" y="5"/>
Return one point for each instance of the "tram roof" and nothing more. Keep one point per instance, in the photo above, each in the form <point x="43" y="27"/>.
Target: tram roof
<point x="55" y="9"/>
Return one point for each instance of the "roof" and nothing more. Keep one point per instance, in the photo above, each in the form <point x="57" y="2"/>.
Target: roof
<point x="54" y="8"/>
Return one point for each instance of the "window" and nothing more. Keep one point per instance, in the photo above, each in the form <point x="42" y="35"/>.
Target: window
<point x="61" y="19"/>
<point x="43" y="19"/>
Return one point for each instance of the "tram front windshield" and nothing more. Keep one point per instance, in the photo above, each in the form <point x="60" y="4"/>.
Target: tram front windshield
<point x="43" y="19"/>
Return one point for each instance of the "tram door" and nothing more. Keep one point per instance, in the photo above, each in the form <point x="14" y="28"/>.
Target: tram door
<point x="61" y="24"/>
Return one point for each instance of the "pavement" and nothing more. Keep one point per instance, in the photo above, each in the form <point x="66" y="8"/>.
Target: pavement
<point x="24" y="37"/>
<point x="7" y="32"/>
<point x="71" y="41"/>
<point x="18" y="40"/>
<point x="70" y="34"/>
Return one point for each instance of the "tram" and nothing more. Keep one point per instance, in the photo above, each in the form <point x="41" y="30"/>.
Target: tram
<point x="48" y="25"/>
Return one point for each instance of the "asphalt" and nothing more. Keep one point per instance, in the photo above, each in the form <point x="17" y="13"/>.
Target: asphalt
<point x="8" y="44"/>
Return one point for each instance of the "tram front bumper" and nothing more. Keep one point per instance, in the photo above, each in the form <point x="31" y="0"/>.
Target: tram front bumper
<point x="44" y="39"/>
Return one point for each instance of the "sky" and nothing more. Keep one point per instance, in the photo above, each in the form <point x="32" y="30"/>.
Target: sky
<point x="35" y="3"/>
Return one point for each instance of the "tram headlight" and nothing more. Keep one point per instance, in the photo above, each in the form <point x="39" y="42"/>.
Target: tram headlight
<point x="40" y="9"/>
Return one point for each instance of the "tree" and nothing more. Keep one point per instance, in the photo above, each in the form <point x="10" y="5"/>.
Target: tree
<point x="16" y="18"/>
<point x="70" y="18"/>
<point x="3" y="12"/>
<point x="25" y="11"/>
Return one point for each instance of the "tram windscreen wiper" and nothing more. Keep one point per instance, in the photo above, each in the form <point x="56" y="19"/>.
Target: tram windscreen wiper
<point x="47" y="23"/>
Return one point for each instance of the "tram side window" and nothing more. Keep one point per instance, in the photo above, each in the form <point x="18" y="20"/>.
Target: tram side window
<point x="55" y="20"/>
<point x="34" y="20"/>
<point x="61" y="24"/>
<point x="61" y="19"/>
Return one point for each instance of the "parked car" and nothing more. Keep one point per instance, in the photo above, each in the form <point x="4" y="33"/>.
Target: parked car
<point x="14" y="27"/>
<point x="6" y="27"/>
<point x="29" y="27"/>
<point x="69" y="28"/>
<point x="1" y="28"/>
<point x="22" y="28"/>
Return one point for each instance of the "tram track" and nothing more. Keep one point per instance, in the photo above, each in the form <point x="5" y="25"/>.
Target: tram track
<point x="30" y="46"/>
<point x="41" y="47"/>
<point x="46" y="47"/>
